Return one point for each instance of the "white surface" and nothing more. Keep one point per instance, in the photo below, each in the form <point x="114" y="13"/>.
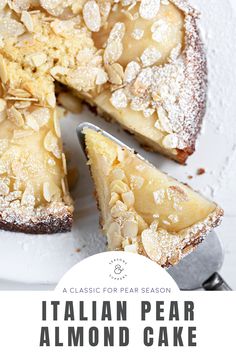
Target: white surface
<point x="44" y="259"/>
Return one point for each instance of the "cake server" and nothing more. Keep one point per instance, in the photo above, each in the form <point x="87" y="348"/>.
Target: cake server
<point x="198" y="269"/>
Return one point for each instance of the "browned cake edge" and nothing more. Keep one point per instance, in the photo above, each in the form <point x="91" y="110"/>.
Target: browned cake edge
<point x="196" y="237"/>
<point x="47" y="222"/>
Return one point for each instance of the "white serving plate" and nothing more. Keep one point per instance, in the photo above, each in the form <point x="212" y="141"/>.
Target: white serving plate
<point x="38" y="262"/>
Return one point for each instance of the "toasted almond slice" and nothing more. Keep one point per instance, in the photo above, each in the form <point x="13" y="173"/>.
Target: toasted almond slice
<point x="114" y="198"/>
<point x="91" y="15"/>
<point x="149" y="8"/>
<point x="3" y="70"/>
<point x="3" y="105"/>
<point x="118" y="209"/>
<point x="64" y="163"/>
<point x="32" y="123"/>
<point x="56" y="124"/>
<point x="51" y="191"/>
<point x="51" y="99"/>
<point x="128" y="198"/>
<point x="27" y="20"/>
<point x="119" y="187"/>
<point x="15" y="116"/>
<point x="118" y="173"/>
<point x="28" y="197"/>
<point x="51" y="144"/>
<point x="131" y="248"/>
<point x="114" y="236"/>
<point x="130" y="229"/>
<point x="4" y="189"/>
<point x="170" y="141"/>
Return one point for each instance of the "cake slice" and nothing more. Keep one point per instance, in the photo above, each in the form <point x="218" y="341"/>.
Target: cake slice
<point x="33" y="190"/>
<point x="140" y="63"/>
<point x="142" y="209"/>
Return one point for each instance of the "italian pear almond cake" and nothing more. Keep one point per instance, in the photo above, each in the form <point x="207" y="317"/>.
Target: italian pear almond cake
<point x="140" y="63"/>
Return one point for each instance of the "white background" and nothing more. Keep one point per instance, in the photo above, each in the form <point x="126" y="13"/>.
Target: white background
<point x="44" y="259"/>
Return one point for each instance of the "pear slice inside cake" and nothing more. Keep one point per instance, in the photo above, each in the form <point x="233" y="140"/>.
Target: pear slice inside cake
<point x="33" y="190"/>
<point x="142" y="209"/>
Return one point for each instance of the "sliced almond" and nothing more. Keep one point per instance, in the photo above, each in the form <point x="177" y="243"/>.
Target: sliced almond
<point x="27" y="20"/>
<point x="130" y="229"/>
<point x="32" y="123"/>
<point x="114" y="236"/>
<point x="64" y="163"/>
<point x="131" y="248"/>
<point x="119" y="187"/>
<point x="91" y="15"/>
<point x="51" y="191"/>
<point x="118" y="209"/>
<point x="57" y="127"/>
<point x="118" y="174"/>
<point x="51" y="99"/>
<point x="28" y="197"/>
<point x="15" y="116"/>
<point x="170" y="141"/>
<point x="128" y="198"/>
<point x="3" y="70"/>
<point x="149" y="8"/>
<point x="4" y="189"/>
<point x="114" y="198"/>
<point x="51" y="144"/>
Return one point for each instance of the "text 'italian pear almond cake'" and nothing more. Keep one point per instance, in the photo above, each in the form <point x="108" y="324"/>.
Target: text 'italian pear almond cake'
<point x="140" y="63"/>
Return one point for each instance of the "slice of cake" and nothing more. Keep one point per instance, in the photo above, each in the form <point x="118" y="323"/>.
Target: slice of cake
<point x="142" y="209"/>
<point x="140" y="63"/>
<point x="33" y="190"/>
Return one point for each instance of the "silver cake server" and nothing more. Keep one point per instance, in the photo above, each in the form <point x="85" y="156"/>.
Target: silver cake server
<point x="198" y="269"/>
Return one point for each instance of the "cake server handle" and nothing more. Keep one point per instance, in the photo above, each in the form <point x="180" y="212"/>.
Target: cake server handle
<point x="216" y="282"/>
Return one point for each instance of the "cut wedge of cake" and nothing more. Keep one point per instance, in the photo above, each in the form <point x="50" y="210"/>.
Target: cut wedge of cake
<point x="33" y="190"/>
<point x="142" y="209"/>
<point x="140" y="63"/>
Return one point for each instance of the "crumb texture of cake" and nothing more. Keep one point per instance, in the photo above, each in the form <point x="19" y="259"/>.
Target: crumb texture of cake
<point x="34" y="197"/>
<point x="142" y="209"/>
<point x="140" y="63"/>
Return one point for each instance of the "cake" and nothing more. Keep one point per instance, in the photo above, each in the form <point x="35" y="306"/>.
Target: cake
<point x="140" y="63"/>
<point x="34" y="197"/>
<point x="142" y="209"/>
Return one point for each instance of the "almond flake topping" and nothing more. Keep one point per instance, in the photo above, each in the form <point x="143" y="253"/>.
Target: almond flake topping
<point x="91" y="15"/>
<point x="38" y="59"/>
<point x="150" y="56"/>
<point x="28" y="198"/>
<point x="149" y="8"/>
<point x="51" y="144"/>
<point x="170" y="141"/>
<point x="51" y="191"/>
<point x="15" y="116"/>
<point x="119" y="99"/>
<point x="131" y="71"/>
<point x="159" y="30"/>
<point x="164" y="121"/>
<point x="11" y="28"/>
<point x="27" y="21"/>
